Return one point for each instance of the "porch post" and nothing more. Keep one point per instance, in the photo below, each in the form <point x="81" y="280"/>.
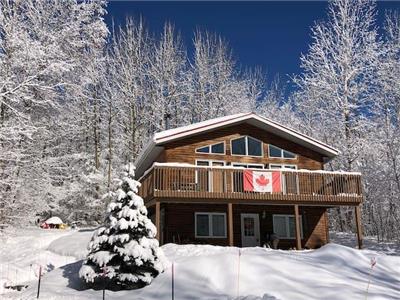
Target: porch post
<point x="297" y="222"/>
<point x="230" y="224"/>
<point x="358" y="226"/>
<point x="157" y="208"/>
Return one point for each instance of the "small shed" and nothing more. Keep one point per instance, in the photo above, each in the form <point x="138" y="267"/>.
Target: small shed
<point x="53" y="222"/>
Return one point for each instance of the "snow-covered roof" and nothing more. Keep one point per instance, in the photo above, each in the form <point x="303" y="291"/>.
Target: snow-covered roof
<point x="200" y="127"/>
<point x="54" y="221"/>
<point x="155" y="146"/>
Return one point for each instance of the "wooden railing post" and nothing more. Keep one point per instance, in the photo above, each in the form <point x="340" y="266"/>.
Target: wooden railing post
<point x="358" y="226"/>
<point x="297" y="223"/>
<point x="158" y="219"/>
<point x="154" y="178"/>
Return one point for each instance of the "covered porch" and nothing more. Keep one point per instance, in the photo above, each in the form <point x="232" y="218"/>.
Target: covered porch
<point x="244" y="224"/>
<point x="200" y="194"/>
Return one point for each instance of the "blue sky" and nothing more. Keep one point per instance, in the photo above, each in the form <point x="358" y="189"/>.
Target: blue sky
<point x="267" y="34"/>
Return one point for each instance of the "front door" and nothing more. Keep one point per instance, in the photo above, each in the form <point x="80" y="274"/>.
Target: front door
<point x="250" y="224"/>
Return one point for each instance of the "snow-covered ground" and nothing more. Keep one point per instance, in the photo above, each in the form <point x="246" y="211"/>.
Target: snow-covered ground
<point x="206" y="272"/>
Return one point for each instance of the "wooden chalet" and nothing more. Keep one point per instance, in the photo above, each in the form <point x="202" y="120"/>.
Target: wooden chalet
<point x="240" y="179"/>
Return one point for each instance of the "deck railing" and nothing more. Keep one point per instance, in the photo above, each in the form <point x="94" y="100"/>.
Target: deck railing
<point x="187" y="181"/>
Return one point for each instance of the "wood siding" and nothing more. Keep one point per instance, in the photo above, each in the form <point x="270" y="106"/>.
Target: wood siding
<point x="179" y="226"/>
<point x="184" y="150"/>
<point x="180" y="191"/>
<point x="201" y="184"/>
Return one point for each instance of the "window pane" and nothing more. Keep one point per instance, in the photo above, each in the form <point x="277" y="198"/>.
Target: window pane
<point x="254" y="167"/>
<point x="287" y="154"/>
<point x="292" y="227"/>
<point x="275" y="166"/>
<point x="203" y="149"/>
<point x="254" y="147"/>
<point x="275" y="151"/>
<point x="290" y="167"/>
<point x="280" y="226"/>
<point x="202" y="225"/>
<point x="238" y="146"/>
<point x="248" y="224"/>
<point x="218" y="148"/>
<point x="218" y="225"/>
<point x="202" y="177"/>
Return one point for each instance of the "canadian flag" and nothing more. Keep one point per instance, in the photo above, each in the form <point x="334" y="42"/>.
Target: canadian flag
<point x="262" y="181"/>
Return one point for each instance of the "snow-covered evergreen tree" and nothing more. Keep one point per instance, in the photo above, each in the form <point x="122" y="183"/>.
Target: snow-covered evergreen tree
<point x="124" y="252"/>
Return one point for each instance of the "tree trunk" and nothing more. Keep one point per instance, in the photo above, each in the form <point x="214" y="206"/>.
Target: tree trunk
<point x="109" y="145"/>
<point x="96" y="135"/>
<point x="2" y="114"/>
<point x="133" y="132"/>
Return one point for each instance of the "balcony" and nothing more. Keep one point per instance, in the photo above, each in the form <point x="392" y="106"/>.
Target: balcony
<point x="169" y="182"/>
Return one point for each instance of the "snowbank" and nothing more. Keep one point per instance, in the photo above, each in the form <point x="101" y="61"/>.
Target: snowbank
<point x="73" y="244"/>
<point x="23" y="250"/>
<point x="207" y="272"/>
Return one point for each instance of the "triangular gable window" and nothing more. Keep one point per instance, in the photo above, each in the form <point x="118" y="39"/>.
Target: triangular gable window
<point x="203" y="149"/>
<point x="280" y="153"/>
<point x="218" y="148"/>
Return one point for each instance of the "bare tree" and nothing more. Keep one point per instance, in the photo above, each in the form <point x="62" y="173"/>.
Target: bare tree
<point x="42" y="49"/>
<point x="130" y="50"/>
<point x="169" y="86"/>
<point x="217" y="90"/>
<point x="339" y="74"/>
<point x="381" y="163"/>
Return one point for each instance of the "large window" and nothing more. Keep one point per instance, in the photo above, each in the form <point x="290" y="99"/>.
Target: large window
<point x="246" y="145"/>
<point x="210" y="225"/>
<point x="285" y="227"/>
<point x="280" y="153"/>
<point x="218" y="148"/>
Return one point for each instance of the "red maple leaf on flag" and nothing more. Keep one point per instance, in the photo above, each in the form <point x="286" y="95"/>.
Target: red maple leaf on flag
<point x="262" y="180"/>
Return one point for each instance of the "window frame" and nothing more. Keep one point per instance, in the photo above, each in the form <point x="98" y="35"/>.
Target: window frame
<point x="210" y="147"/>
<point x="246" y="144"/>
<point x="282" y="150"/>
<point x="246" y="165"/>
<point x="287" y="225"/>
<point x="197" y="150"/>
<point x="210" y="229"/>
<point x="210" y="165"/>
<point x="283" y="166"/>
<point x="283" y="154"/>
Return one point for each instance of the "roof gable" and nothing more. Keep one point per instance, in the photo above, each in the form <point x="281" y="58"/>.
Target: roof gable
<point x="251" y="118"/>
<point x="159" y="139"/>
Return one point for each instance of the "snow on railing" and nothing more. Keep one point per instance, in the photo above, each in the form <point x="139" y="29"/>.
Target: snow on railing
<point x="187" y="165"/>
